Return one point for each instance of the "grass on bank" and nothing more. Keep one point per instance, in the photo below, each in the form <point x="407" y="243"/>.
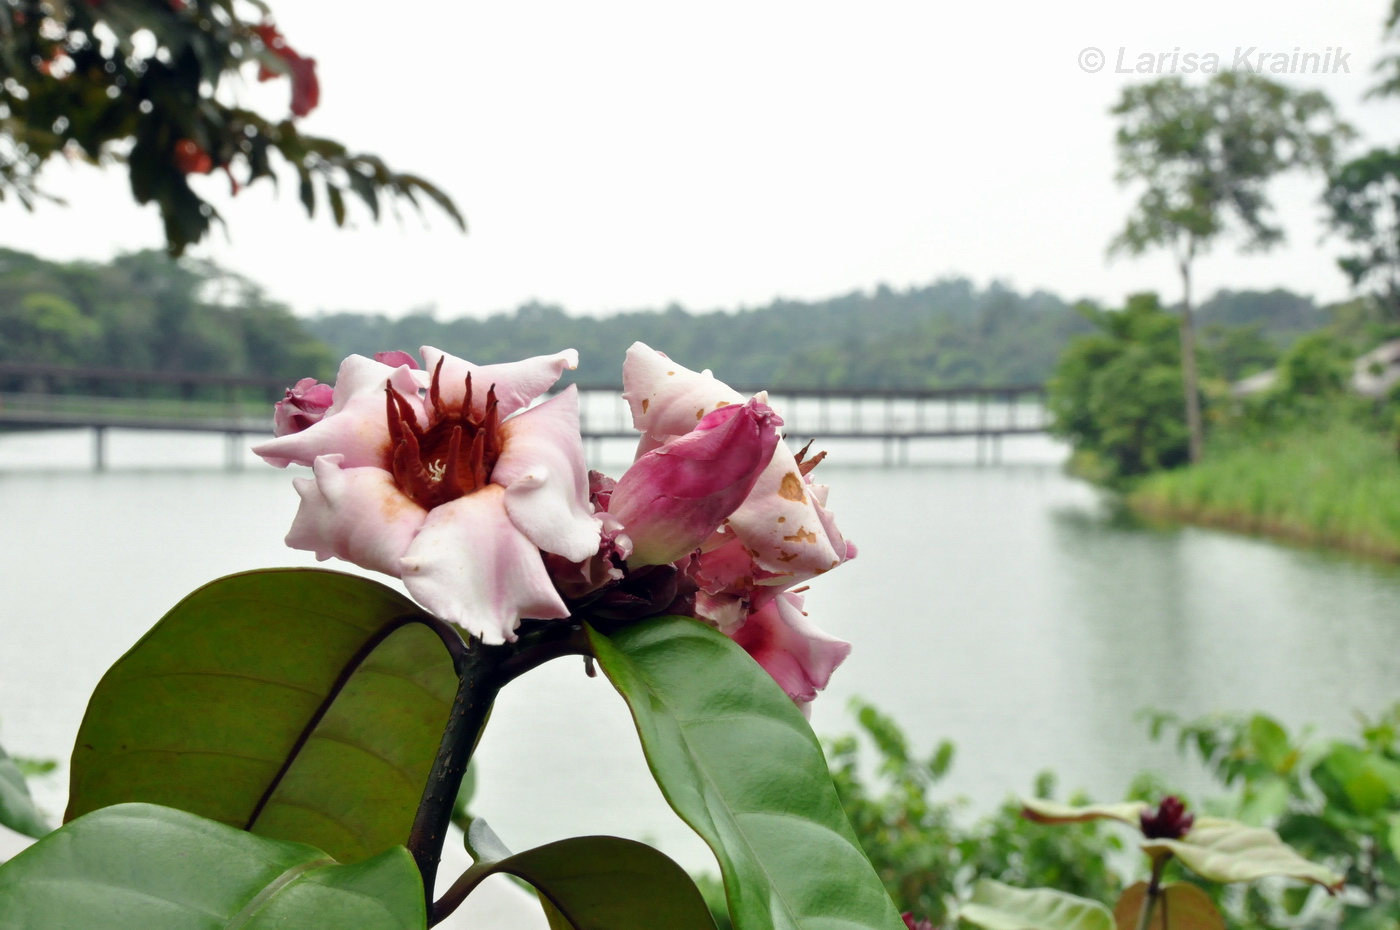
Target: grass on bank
<point x="1338" y="486"/>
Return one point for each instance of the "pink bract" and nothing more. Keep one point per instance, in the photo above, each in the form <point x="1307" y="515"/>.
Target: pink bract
<point x="675" y="496"/>
<point x="306" y="403"/>
<point x="783" y="521"/>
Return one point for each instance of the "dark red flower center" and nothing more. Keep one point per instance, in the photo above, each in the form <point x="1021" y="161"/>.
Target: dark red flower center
<point x="453" y="455"/>
<point x="1170" y="821"/>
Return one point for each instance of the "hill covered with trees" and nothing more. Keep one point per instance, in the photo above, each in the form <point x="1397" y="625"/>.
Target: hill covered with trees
<point x="143" y="311"/>
<point x="946" y="334"/>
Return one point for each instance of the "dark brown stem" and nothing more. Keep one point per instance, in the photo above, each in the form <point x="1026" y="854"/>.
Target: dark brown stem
<point x="1154" y="891"/>
<point x="478" y="683"/>
<point x="484" y="671"/>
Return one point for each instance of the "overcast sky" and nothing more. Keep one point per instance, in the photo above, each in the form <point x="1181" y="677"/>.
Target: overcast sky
<point x="621" y="154"/>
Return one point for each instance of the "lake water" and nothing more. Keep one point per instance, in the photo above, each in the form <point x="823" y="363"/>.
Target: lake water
<point x="1005" y="608"/>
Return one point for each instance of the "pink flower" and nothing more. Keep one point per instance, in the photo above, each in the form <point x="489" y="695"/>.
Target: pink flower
<point x="799" y="656"/>
<point x="783" y="522"/>
<point x="306" y="403"/>
<point x="675" y="496"/>
<point x="779" y="536"/>
<point x="448" y="481"/>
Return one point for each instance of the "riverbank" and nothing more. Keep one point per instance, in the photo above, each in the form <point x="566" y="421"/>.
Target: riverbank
<point x="1338" y="487"/>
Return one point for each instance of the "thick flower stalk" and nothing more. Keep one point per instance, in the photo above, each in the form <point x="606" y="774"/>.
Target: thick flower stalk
<point x="447" y="478"/>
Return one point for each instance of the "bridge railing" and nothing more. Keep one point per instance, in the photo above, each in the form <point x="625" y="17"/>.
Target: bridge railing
<point x="42" y="396"/>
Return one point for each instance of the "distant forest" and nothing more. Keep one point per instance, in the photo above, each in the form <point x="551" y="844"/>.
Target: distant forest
<point x="946" y="334"/>
<point x="142" y="311"/>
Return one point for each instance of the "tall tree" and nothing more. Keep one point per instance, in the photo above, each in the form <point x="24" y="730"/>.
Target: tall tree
<point x="150" y="83"/>
<point x="1204" y="155"/>
<point x="1363" y="199"/>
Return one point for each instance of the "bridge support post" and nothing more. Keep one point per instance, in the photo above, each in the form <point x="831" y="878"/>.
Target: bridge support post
<point x="233" y="451"/>
<point x="99" y="448"/>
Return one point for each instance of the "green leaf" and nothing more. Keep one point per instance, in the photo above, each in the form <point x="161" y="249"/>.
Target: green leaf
<point x="246" y="705"/>
<point x="592" y="882"/>
<point x="1129" y="812"/>
<point x="1265" y="800"/>
<point x="1181" y="906"/>
<point x="994" y="906"/>
<point x="1270" y="744"/>
<point x="17" y="810"/>
<point x="1227" y="851"/>
<point x="142" y="867"/>
<point x="737" y="761"/>
<point x="1366" y="780"/>
<point x="337" y="201"/>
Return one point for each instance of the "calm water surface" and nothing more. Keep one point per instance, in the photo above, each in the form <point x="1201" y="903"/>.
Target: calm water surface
<point x="1004" y="608"/>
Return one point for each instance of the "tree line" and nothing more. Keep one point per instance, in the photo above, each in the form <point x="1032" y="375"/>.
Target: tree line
<point x="144" y="312"/>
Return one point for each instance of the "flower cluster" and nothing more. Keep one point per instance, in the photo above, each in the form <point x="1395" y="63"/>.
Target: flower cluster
<point x="453" y="478"/>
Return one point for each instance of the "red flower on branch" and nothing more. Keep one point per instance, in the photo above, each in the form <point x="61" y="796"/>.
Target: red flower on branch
<point x="306" y="86"/>
<point x="191" y="159"/>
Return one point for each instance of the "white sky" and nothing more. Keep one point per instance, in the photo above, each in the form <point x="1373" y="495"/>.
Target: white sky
<point x="623" y="154"/>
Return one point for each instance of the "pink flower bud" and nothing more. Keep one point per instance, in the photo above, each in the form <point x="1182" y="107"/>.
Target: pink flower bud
<point x="675" y="496"/>
<point x="306" y="403"/>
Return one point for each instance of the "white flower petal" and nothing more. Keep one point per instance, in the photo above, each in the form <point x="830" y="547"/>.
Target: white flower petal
<point x="356" y="514"/>
<point x="517" y="383"/>
<point x="668" y="399"/>
<point x="546" y="481"/>
<point x="784" y="527"/>
<point x="469" y="565"/>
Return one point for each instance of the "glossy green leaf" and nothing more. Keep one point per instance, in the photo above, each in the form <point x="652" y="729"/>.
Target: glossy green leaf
<point x="1129" y="812"/>
<point x="737" y="761"/>
<point x="1228" y="851"/>
<point x="1180" y="906"/>
<point x="142" y="867"/>
<point x="245" y="705"/>
<point x="17" y="810"/>
<point x="994" y="906"/>
<point x="592" y="882"/>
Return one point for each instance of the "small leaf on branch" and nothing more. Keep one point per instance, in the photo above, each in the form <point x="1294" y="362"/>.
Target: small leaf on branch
<point x="1129" y="812"/>
<point x="589" y="883"/>
<point x="17" y="810"/>
<point x="1228" y="851"/>
<point x="143" y="867"/>
<point x="737" y="761"/>
<point x="994" y="906"/>
<point x="1180" y="906"/>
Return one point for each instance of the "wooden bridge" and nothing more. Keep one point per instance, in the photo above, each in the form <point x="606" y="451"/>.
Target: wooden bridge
<point x="43" y="397"/>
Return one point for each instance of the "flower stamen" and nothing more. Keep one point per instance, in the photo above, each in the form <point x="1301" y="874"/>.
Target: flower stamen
<point x="453" y="455"/>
